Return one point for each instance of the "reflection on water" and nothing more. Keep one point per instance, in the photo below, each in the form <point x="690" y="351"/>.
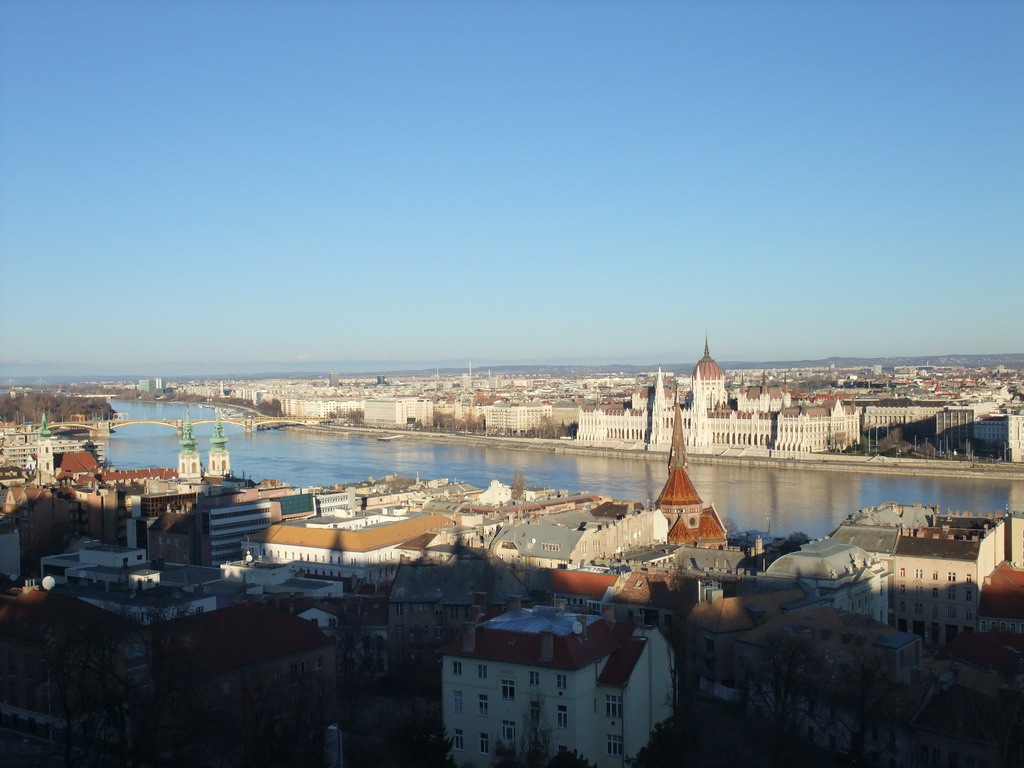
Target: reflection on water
<point x="749" y="497"/>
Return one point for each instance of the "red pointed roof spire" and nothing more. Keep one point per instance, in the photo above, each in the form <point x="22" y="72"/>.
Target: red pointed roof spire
<point x="679" y="490"/>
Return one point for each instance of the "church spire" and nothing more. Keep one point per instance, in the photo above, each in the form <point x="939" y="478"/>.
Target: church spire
<point x="218" y="441"/>
<point x="707" y="351"/>
<point x="188" y="440"/>
<point x="220" y="459"/>
<point x="44" y="430"/>
<point x="188" y="456"/>
<point x="677" y="454"/>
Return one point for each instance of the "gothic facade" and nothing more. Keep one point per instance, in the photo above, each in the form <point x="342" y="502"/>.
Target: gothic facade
<point x="761" y="417"/>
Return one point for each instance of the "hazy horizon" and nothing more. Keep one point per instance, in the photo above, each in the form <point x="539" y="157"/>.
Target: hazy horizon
<point x="185" y="370"/>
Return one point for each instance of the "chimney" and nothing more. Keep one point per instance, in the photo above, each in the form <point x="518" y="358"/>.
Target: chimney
<point x="608" y="612"/>
<point x="480" y="599"/>
<point x="469" y="638"/>
<point x="515" y="602"/>
<point x="582" y="619"/>
<point x="547" y="645"/>
<point x="758" y="546"/>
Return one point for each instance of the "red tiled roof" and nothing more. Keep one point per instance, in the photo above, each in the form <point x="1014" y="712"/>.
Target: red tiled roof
<point x="619" y="667"/>
<point x="708" y="531"/>
<point x="1000" y="651"/>
<point x="77" y="462"/>
<point x="679" y="490"/>
<point x="578" y="583"/>
<point x="32" y="616"/>
<point x="569" y="651"/>
<point x="129" y="475"/>
<point x="236" y="638"/>
<point x="1002" y="595"/>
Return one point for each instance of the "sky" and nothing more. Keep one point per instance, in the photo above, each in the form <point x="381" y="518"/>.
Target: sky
<point x="216" y="187"/>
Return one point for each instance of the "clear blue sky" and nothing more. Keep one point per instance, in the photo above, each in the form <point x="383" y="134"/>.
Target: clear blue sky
<point x="211" y="187"/>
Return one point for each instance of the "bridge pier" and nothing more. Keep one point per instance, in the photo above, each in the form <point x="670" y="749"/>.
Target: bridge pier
<point x="248" y="426"/>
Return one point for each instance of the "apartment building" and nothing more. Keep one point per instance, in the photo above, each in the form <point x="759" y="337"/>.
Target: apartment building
<point x="574" y="682"/>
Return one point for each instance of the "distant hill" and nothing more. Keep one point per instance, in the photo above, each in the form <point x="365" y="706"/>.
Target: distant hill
<point x="1012" y="360"/>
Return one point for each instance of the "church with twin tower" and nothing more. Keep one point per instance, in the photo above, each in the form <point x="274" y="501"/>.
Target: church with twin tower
<point x="189" y="461"/>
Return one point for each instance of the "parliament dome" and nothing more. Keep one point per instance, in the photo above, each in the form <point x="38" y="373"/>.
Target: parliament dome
<point x="707" y="369"/>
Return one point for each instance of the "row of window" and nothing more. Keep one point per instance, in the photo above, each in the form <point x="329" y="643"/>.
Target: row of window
<point x="613" y="741"/>
<point x="950" y="592"/>
<point x="950" y="575"/>
<point x="612" y="705"/>
<point x="508" y="686"/>
<point x="950" y="611"/>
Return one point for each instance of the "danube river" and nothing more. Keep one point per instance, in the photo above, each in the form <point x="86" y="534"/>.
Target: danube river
<point x="779" y="500"/>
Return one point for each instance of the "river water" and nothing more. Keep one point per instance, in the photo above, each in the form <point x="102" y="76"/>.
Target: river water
<point x="779" y="500"/>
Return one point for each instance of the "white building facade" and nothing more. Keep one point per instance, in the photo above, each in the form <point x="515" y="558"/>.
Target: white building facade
<point x="760" y="417"/>
<point x="582" y="683"/>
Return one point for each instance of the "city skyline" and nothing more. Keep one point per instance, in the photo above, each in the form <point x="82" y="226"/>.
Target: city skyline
<point x="194" y="189"/>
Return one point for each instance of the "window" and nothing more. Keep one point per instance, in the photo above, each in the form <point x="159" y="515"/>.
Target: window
<point x="508" y="730"/>
<point x="918" y="573"/>
<point x="456" y="667"/>
<point x="398" y="609"/>
<point x="969" y="614"/>
<point x="562" y="716"/>
<point x="561" y="681"/>
<point x="508" y="690"/>
<point x="951" y="612"/>
<point x="918" y="608"/>
<point x="935" y="592"/>
<point x="456" y="701"/>
<point x="481" y="670"/>
<point x="951" y="576"/>
<point x="903" y="571"/>
<point x="613" y="745"/>
<point x="482" y="705"/>
<point x="457" y="741"/>
<point x="903" y="589"/>
<point x="968" y="578"/>
<point x="613" y="706"/>
<point x="951" y="593"/>
<point x="534" y="678"/>
<point x="968" y="595"/>
<point x="485" y="744"/>
<point x="935" y="575"/>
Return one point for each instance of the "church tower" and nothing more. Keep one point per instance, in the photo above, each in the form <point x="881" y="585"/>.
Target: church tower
<point x="45" y="462"/>
<point x="690" y="521"/>
<point x="188" y="457"/>
<point x="220" y="458"/>
<point x="657" y="411"/>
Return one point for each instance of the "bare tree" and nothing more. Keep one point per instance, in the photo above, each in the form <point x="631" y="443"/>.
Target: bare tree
<point x="779" y="680"/>
<point x="518" y="485"/>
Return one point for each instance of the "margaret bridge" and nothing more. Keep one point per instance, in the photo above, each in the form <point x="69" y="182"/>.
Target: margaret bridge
<point x="103" y="428"/>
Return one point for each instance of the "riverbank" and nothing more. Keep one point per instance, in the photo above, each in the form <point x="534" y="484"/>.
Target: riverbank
<point x="829" y="462"/>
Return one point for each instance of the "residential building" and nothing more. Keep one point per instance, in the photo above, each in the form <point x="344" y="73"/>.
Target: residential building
<point x="430" y="602"/>
<point x="573" y="681"/>
<point x="843" y="575"/>
<point x="939" y="575"/>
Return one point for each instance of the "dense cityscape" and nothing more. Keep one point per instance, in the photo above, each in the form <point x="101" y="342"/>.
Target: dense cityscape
<point x="535" y="384"/>
<point x="512" y="624"/>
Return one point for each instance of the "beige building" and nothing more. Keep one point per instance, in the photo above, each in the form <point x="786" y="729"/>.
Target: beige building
<point x="509" y="419"/>
<point x="371" y="553"/>
<point x="398" y="412"/>
<point x="573" y="539"/>
<point x="938" y="578"/>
